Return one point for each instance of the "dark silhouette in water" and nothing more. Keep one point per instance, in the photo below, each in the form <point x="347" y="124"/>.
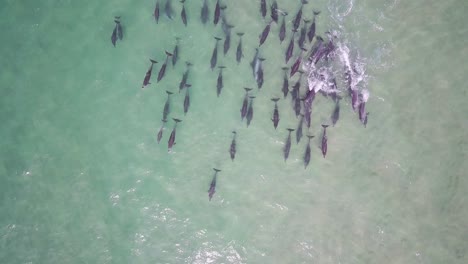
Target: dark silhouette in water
<point x="290" y="49"/>
<point x="324" y="141"/>
<point x="227" y="39"/>
<point x="298" y="18"/>
<point x="212" y="189"/>
<point x="183" y="82"/>
<point x="204" y="12"/>
<point x="287" y="146"/>
<point x="302" y="34"/>
<point x="183" y="14"/>
<point x="336" y="112"/>
<point x="285" y="88"/>
<point x="156" y="12"/>
<point x="146" y="81"/>
<point x="214" y="56"/>
<point x="263" y="8"/>
<point x="296" y="87"/>
<point x="216" y="13"/>
<point x="232" y="149"/>
<point x="245" y="103"/>
<point x="311" y="32"/>
<point x="167" y="105"/>
<point x="115" y="33"/>
<point x="168" y="9"/>
<point x="297" y="63"/>
<point x="175" y="53"/>
<point x="259" y="76"/>
<point x="160" y="133"/>
<point x="307" y="152"/>
<point x="119" y="28"/>
<point x="187" y="99"/>
<point x="282" y="31"/>
<point x="172" y="138"/>
<point x="265" y="33"/>
<point x="219" y="85"/>
<point x="276" y="117"/>
<point x="239" y="53"/>
<point x="297" y="106"/>
<point x="274" y="11"/>
<point x="255" y="62"/>
<point x="250" y="111"/>
<point x="162" y="71"/>
<point x="299" y="129"/>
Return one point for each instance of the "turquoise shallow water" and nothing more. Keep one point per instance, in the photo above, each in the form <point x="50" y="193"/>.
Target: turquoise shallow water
<point x="84" y="181"/>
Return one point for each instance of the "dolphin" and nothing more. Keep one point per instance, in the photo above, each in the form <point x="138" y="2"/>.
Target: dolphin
<point x="183" y="82"/>
<point x="297" y="19"/>
<point x="119" y="28"/>
<point x="204" y="12"/>
<point x="297" y="63"/>
<point x="365" y="119"/>
<point x="175" y="53"/>
<point x="285" y="88"/>
<point x="245" y="103"/>
<point x="276" y="117"/>
<point x="167" y="105"/>
<point x="227" y="39"/>
<point x="302" y="34"/>
<point x="148" y="74"/>
<point x="282" y="31"/>
<point x="336" y="112"/>
<point x="232" y="149"/>
<point x="219" y="85"/>
<point x="311" y="32"/>
<point x="183" y="15"/>
<point x="216" y="13"/>
<point x="287" y="146"/>
<point x="265" y="33"/>
<point x="299" y="129"/>
<point x="315" y="48"/>
<point x="214" y="56"/>
<point x="187" y="99"/>
<point x="114" y="34"/>
<point x="212" y="189"/>
<point x="162" y="71"/>
<point x="160" y="133"/>
<point x="239" y="53"/>
<point x="297" y="106"/>
<point x="168" y="9"/>
<point x="259" y="76"/>
<point x="172" y="138"/>
<point x="263" y="8"/>
<point x="224" y="23"/>
<point x="296" y="87"/>
<point x="156" y="12"/>
<point x="324" y="140"/>
<point x="255" y="62"/>
<point x="274" y="11"/>
<point x="308" y="106"/>
<point x="354" y="98"/>
<point x="250" y="111"/>
<point x="290" y="49"/>
<point x="307" y="153"/>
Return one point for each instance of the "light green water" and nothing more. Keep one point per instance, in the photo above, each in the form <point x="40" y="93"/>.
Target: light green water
<point x="84" y="181"/>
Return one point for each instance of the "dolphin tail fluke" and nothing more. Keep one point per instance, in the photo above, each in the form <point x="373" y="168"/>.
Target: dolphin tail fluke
<point x="247" y="89"/>
<point x="169" y="93"/>
<point x="217" y="39"/>
<point x="176" y="120"/>
<point x="324" y="126"/>
<point x="252" y="97"/>
<point x="306" y="20"/>
<point x="316" y="13"/>
<point x="310" y="137"/>
<point x="275" y="99"/>
<point x="188" y="63"/>
<point x="164" y="120"/>
<point x="188" y="85"/>
<point x="168" y="53"/>
<point x="290" y="129"/>
<point x="153" y="61"/>
<point x="216" y="170"/>
<point x="117" y="22"/>
<point x="240" y="34"/>
<point x="222" y="67"/>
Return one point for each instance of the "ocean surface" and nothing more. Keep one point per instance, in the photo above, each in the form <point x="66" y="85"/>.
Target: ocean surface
<point x="83" y="179"/>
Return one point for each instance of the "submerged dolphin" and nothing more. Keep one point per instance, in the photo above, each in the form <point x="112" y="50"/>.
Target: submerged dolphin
<point x="212" y="189"/>
<point x="219" y="84"/>
<point x="287" y="146"/>
<point x="187" y="99"/>
<point x="274" y="11"/>
<point x="311" y="32"/>
<point x="297" y="63"/>
<point x="239" y="53"/>
<point x="175" y="53"/>
<point x="172" y="138"/>
<point x="298" y="18"/>
<point x="232" y="149"/>
<point x="263" y="8"/>
<point x="299" y="129"/>
<point x="227" y="39"/>
<point x="162" y="71"/>
<point x="204" y="12"/>
<point x="336" y="112"/>
<point x="168" y="9"/>
<point x="302" y="34"/>
<point x="114" y="34"/>
<point x="146" y="81"/>
<point x="119" y="28"/>
<point x="214" y="56"/>
<point x="290" y="49"/>
<point x="183" y="15"/>
<point x="250" y="111"/>
<point x="216" y="13"/>
<point x="307" y="152"/>
<point x="156" y="12"/>
<point x="259" y="74"/>
<point x="255" y="62"/>
<point x="245" y="103"/>
<point x="324" y="141"/>
<point x="282" y="31"/>
<point x="167" y="105"/>
<point x="276" y="117"/>
<point x="265" y="33"/>
<point x="183" y="82"/>
<point x="160" y="133"/>
<point x="285" y="88"/>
